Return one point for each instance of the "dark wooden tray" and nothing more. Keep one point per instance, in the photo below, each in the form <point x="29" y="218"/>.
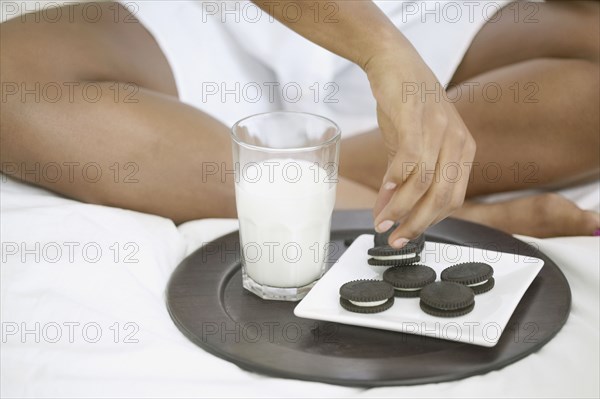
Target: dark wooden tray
<point x="208" y="304"/>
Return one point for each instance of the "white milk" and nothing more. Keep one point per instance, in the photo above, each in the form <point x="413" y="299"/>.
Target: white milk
<point x="285" y="218"/>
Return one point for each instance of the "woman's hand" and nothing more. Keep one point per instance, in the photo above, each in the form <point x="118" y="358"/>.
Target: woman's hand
<point x="430" y="150"/>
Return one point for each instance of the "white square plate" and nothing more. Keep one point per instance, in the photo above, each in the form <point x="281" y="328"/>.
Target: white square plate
<point x="483" y="326"/>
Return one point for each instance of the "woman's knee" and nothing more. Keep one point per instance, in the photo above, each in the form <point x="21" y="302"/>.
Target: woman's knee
<point x="72" y="45"/>
<point x="524" y="31"/>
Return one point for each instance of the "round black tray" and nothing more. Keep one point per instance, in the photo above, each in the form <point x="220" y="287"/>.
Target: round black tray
<point x="208" y="304"/>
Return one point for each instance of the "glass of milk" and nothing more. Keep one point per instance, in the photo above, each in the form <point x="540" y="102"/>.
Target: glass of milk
<point x="286" y="169"/>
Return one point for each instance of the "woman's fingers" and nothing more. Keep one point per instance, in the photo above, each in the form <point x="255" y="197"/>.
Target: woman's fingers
<point x="383" y="198"/>
<point x="421" y="216"/>
<point x="420" y="176"/>
<point x="403" y="137"/>
<point x="435" y="192"/>
<point x="439" y="201"/>
<point x="411" y="172"/>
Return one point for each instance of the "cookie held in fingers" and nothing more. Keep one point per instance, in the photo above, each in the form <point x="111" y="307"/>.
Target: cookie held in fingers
<point x="366" y="296"/>
<point x="381" y="239"/>
<point x="475" y="275"/>
<point x="409" y="280"/>
<point x="446" y="299"/>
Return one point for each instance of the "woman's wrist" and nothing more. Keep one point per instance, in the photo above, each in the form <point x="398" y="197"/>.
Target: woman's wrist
<point x="387" y="44"/>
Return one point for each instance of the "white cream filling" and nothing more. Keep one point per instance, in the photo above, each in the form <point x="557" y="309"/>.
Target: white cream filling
<point x="368" y="304"/>
<point x="406" y="289"/>
<point x="394" y="257"/>
<point x="476" y="284"/>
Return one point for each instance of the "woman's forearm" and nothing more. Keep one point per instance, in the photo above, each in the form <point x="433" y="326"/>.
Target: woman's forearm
<point x="355" y="30"/>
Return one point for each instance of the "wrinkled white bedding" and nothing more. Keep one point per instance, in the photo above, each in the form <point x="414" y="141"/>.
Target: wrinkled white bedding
<point x="97" y="325"/>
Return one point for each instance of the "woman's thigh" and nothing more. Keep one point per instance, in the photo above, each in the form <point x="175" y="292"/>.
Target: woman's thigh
<point x="543" y="73"/>
<point x="524" y="30"/>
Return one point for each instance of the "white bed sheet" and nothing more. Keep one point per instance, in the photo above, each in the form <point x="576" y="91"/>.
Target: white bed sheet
<point x="103" y="294"/>
<point x="163" y="363"/>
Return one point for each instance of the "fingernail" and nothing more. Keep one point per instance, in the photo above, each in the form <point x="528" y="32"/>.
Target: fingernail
<point x="390" y="186"/>
<point x="399" y="243"/>
<point x="384" y="226"/>
<point x="597" y="232"/>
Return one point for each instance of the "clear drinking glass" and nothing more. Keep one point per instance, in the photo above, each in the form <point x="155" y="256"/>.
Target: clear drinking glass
<point x="286" y="169"/>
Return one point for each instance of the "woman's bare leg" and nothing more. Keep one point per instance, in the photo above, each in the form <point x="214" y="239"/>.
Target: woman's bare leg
<point x="552" y="136"/>
<point x="546" y="121"/>
<point x="155" y="154"/>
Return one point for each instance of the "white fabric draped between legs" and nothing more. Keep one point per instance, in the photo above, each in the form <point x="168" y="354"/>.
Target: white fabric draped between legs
<point x="231" y="60"/>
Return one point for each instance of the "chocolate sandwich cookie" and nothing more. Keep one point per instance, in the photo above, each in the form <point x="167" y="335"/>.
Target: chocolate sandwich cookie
<point x="475" y="275"/>
<point x="408" y="280"/>
<point x="446" y="299"/>
<point x="366" y="296"/>
<point x="388" y="256"/>
<point x="381" y="239"/>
